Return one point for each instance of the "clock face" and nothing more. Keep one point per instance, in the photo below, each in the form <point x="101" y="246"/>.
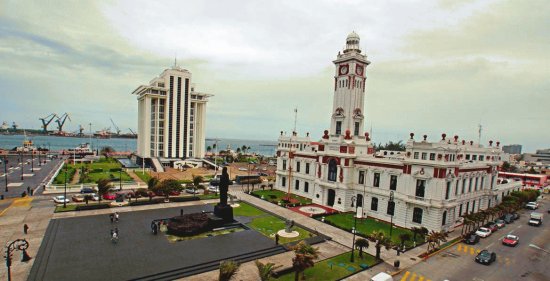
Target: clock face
<point x="343" y="69"/>
<point x="359" y="70"/>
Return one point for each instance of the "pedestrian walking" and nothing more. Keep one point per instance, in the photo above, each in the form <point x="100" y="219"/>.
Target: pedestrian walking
<point x="276" y="239"/>
<point x="181" y="212"/>
<point x="28" y="190"/>
<point x="154" y="228"/>
<point x="25" y="228"/>
<point x="112" y="217"/>
<point x="116" y="216"/>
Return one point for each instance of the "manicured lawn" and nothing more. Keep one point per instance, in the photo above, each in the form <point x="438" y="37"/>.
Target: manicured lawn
<point x="70" y="207"/>
<point x="269" y="225"/>
<point x="209" y="196"/>
<point x="247" y="210"/>
<point x="103" y="169"/>
<point x="143" y="176"/>
<point x="367" y="226"/>
<point x="275" y="196"/>
<point x="334" y="268"/>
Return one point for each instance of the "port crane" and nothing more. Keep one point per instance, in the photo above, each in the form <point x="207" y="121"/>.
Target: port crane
<point x="46" y="121"/>
<point x="61" y="121"/>
<point x="132" y="131"/>
<point x="116" y="127"/>
<point x="14" y="126"/>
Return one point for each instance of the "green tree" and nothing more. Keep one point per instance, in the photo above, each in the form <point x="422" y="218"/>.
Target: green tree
<point x="152" y="183"/>
<point x="304" y="259"/>
<point x="266" y="270"/>
<point x="167" y="186"/>
<point x="381" y="240"/>
<point x="104" y="186"/>
<point x="395" y="146"/>
<point x="228" y="269"/>
<point x="404" y="237"/>
<point x="435" y="238"/>
<point x="208" y="148"/>
<point x="361" y="243"/>
<point x="106" y="150"/>
<point x="197" y="180"/>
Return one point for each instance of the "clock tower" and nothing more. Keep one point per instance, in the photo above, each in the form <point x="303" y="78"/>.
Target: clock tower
<point x="349" y="89"/>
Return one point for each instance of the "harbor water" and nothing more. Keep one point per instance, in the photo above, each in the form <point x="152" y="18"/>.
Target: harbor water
<point x="55" y="143"/>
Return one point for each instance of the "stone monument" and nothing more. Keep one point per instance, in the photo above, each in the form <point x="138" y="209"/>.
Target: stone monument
<point x="222" y="209"/>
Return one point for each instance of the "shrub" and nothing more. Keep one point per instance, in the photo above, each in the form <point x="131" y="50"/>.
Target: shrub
<point x="92" y="207"/>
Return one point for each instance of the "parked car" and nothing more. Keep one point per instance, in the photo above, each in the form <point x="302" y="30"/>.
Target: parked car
<point x="492" y="226"/>
<point x="263" y="174"/>
<point x="86" y="190"/>
<point x="125" y="193"/>
<point x="483" y="232"/>
<point x="243" y="169"/>
<point x="109" y="196"/>
<point x="60" y="199"/>
<point x="213" y="188"/>
<point x="500" y="223"/>
<point x="471" y="239"/>
<point x="515" y="216"/>
<point x="507" y="218"/>
<point x="510" y="240"/>
<point x="93" y="196"/>
<point x="78" y="198"/>
<point x="532" y="206"/>
<point x="486" y="257"/>
<point x="191" y="191"/>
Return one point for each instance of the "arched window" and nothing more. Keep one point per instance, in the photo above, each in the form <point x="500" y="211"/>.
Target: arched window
<point x="417" y="215"/>
<point x="374" y="204"/>
<point x="332" y="170"/>
<point x="444" y="218"/>
<point x="359" y="200"/>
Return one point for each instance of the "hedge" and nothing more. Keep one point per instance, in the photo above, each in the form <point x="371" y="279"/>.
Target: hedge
<point x="92" y="207"/>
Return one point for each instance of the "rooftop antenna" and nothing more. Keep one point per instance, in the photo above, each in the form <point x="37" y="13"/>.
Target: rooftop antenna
<point x="175" y="60"/>
<point x="479" y="133"/>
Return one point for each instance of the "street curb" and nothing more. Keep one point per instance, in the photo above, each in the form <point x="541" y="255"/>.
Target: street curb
<point x="442" y="249"/>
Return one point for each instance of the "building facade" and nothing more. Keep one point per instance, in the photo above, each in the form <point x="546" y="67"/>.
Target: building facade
<point x="512" y="148"/>
<point x="171" y="118"/>
<point x="430" y="184"/>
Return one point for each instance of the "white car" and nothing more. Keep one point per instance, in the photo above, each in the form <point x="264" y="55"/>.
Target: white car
<point x="212" y="188"/>
<point x="94" y="197"/>
<point x="60" y="199"/>
<point x="532" y="205"/>
<point x="483" y="232"/>
<point x="243" y="169"/>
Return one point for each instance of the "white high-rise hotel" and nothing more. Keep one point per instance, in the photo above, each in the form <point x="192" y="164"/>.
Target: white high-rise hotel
<point x="432" y="183"/>
<point x="171" y="118"/>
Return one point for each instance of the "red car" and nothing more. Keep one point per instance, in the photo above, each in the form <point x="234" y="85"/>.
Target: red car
<point x="492" y="226"/>
<point x="510" y="240"/>
<point x="109" y="196"/>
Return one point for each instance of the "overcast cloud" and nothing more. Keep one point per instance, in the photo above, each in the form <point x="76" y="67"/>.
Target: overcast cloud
<point x="437" y="66"/>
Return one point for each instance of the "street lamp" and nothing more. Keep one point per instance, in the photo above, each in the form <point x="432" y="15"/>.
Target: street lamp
<point x="393" y="211"/>
<point x="39" y="160"/>
<point x="19" y="245"/>
<point x="354" y="229"/>
<point x="120" y="177"/>
<point x="32" y="161"/>
<point x="6" y="172"/>
<point x="22" y="164"/>
<point x="65" y="192"/>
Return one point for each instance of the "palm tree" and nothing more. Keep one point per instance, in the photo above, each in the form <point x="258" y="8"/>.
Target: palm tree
<point x="228" y="269"/>
<point x="361" y="243"/>
<point x="238" y="150"/>
<point x="381" y="240"/>
<point x="243" y="148"/>
<point x="404" y="237"/>
<point x="266" y="270"/>
<point x="197" y="180"/>
<point x="152" y="183"/>
<point x="208" y="148"/>
<point x="435" y="238"/>
<point x="104" y="186"/>
<point x="305" y="254"/>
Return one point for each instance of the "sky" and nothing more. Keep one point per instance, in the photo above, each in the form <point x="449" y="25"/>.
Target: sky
<point x="436" y="66"/>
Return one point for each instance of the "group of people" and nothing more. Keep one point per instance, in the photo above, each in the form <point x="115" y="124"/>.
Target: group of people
<point x="114" y="233"/>
<point x="156" y="226"/>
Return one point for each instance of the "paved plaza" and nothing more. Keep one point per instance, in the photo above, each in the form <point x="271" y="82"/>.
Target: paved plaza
<point x="81" y="246"/>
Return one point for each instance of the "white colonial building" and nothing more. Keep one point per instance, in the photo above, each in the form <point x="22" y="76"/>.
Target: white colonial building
<point x="432" y="183"/>
<point x="171" y="119"/>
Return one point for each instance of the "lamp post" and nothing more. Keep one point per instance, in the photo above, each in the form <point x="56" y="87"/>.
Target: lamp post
<point x="248" y="181"/>
<point x="39" y="160"/>
<point x="120" y="178"/>
<point x="32" y="161"/>
<point x="65" y="190"/>
<point x="6" y="172"/>
<point x="22" y="164"/>
<point x="354" y="229"/>
<point x="19" y="245"/>
<point x="393" y="211"/>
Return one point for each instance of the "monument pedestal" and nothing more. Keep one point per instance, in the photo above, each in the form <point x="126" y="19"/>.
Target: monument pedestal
<point x="225" y="212"/>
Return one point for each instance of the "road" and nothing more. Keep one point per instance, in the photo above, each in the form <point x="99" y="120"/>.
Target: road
<point x="522" y="262"/>
<point x="33" y="173"/>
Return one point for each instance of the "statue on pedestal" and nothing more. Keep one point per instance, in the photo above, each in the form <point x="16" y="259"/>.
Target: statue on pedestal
<point x="222" y="209"/>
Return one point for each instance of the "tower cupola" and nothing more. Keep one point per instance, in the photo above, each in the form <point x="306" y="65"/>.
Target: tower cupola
<point x="352" y="43"/>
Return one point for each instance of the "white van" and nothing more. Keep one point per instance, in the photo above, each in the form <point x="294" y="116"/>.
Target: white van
<point x="382" y="276"/>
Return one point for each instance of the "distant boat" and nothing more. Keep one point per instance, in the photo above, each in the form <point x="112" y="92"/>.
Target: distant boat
<point x="27" y="145"/>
